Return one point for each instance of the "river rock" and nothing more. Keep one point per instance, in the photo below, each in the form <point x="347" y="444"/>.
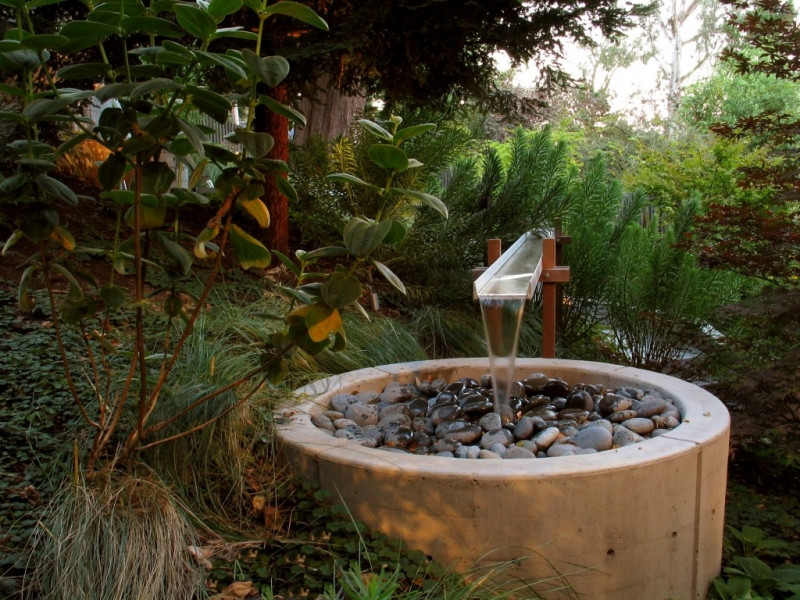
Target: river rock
<point x="545" y="438"/>
<point x="460" y="431"/>
<point x="340" y="402"/>
<point x="323" y="422"/>
<point x="597" y="438"/>
<point x="625" y="437"/>
<point x="640" y="425"/>
<point x="561" y="450"/>
<point x="362" y="414"/>
<point x="490" y="422"/>
<point x="396" y="392"/>
<point x="651" y="406"/>
<point x="518" y="452"/>
<point x="499" y="436"/>
<point x="524" y="428"/>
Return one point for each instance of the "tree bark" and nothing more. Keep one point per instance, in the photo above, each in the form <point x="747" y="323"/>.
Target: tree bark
<point x="328" y="112"/>
<point x="277" y="234"/>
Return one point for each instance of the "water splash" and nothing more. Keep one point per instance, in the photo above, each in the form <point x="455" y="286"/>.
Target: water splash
<point x="502" y="318"/>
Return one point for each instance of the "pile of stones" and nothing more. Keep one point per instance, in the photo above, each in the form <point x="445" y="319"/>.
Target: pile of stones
<point x="545" y="417"/>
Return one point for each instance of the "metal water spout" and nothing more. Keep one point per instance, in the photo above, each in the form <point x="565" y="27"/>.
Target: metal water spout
<point x="502" y="290"/>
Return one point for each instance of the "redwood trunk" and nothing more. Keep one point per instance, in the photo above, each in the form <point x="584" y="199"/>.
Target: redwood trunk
<point x="329" y="113"/>
<point x="277" y="234"/>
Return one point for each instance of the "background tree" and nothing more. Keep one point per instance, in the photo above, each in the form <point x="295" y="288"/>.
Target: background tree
<point x="433" y="53"/>
<point x="761" y="238"/>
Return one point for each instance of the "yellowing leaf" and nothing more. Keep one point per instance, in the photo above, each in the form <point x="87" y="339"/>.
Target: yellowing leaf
<point x="258" y="210"/>
<point x="63" y="238"/>
<point x="208" y="234"/>
<point x="325" y="322"/>
<point x="249" y="252"/>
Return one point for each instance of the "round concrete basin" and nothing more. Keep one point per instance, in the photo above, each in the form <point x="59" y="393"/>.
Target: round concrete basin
<point x="642" y="522"/>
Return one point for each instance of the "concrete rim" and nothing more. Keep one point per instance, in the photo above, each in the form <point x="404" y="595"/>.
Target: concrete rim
<point x="705" y="419"/>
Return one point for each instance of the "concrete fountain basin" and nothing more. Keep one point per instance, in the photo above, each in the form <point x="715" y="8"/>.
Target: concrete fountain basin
<point x="642" y="522"/>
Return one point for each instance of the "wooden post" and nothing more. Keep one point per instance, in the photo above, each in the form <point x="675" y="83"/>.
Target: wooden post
<point x="494" y="249"/>
<point x="552" y="276"/>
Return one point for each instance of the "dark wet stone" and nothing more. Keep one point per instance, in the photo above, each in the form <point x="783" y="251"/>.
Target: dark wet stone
<point x="545" y="413"/>
<point x="397" y="418"/>
<point x="397" y="436"/>
<point x="423" y="424"/>
<point x="517" y="403"/>
<point x="460" y="431"/>
<point x="613" y="403"/>
<point x="476" y="404"/>
<point x="580" y="399"/>
<point x="444" y="446"/>
<point x="446" y="397"/>
<point x="574" y="414"/>
<point x="556" y="388"/>
<point x="537" y="400"/>
<point x="535" y="382"/>
<point x="418" y="407"/>
<point x="456" y="388"/>
<point x="420" y="439"/>
<point x="431" y="388"/>
<point x="444" y="412"/>
<point x="558" y="403"/>
<point x="470" y="383"/>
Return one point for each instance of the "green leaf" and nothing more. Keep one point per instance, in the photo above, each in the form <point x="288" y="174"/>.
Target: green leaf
<point x="193" y="135"/>
<point x="24" y="300"/>
<point x="388" y="157"/>
<point x="152" y="213"/>
<point x="12" y="239"/>
<point x="74" y="311"/>
<point x="110" y="173"/>
<point x="282" y="109"/>
<point x="376" y="130"/>
<point x="154" y="85"/>
<point x="195" y="21"/>
<point x="113" y="296"/>
<point x="13" y="183"/>
<point x="428" y="199"/>
<point x="41" y="42"/>
<point x="167" y="57"/>
<point x="390" y="276"/>
<point x="298" y="11"/>
<point x="89" y="30"/>
<point x="340" y="289"/>
<point x="157" y="177"/>
<point x="67" y="274"/>
<point x="84" y="71"/>
<point x="324" y="252"/>
<point x="287" y="262"/>
<point x="57" y="189"/>
<point x="20" y="60"/>
<point x="42" y="107"/>
<point x="219" y="9"/>
<point x="256" y="144"/>
<point x="11" y="116"/>
<point x="223" y="61"/>
<point x="180" y="256"/>
<point x="410" y="132"/>
<point x="37" y="223"/>
<point x="286" y="188"/>
<point x="269" y="69"/>
<point x="113" y="90"/>
<point x="362" y="237"/>
<point x="249" y="252"/>
<point x="339" y="341"/>
<point x="396" y="234"/>
<point x="235" y="33"/>
<point x="151" y="25"/>
<point x="348" y="178"/>
<point x="214" y="105"/>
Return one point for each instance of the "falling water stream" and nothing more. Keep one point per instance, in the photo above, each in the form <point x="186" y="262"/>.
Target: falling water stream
<point x="502" y="290"/>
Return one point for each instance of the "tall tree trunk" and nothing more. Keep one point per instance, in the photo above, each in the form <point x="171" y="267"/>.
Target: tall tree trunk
<point x="277" y="234"/>
<point x="328" y="112"/>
